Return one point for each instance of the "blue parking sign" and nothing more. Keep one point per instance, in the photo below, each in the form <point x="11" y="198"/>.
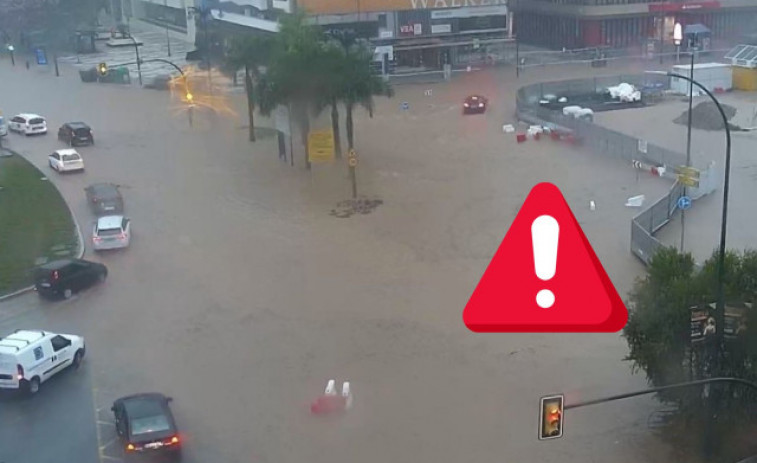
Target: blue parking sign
<point x="41" y="56"/>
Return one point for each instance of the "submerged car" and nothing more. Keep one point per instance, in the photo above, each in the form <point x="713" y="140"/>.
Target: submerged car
<point x="111" y="232"/>
<point x="76" y="133"/>
<point x="63" y="278"/>
<point x="104" y="199"/>
<point x="146" y="426"/>
<point x="474" y="104"/>
<point x="67" y="160"/>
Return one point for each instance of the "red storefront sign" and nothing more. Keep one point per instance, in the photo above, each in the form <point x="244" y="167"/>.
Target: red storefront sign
<point x="674" y="7"/>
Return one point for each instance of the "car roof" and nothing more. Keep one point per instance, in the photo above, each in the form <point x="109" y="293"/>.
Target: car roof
<point x="103" y="187"/>
<point x="28" y="115"/>
<point x="77" y="125"/>
<point x="110" y="221"/>
<point x="475" y="97"/>
<point x="144" y="404"/>
<point x="56" y="264"/>
<point x="20" y="340"/>
<point x="66" y="151"/>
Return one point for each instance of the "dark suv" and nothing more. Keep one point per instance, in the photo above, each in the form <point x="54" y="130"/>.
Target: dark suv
<point x="76" y="133"/>
<point x="63" y="278"/>
<point x="104" y="199"/>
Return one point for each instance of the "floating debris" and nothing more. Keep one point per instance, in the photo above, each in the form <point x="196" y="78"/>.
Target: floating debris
<point x="355" y="206"/>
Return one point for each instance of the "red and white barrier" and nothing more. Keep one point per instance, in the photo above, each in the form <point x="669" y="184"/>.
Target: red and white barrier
<point x="331" y="402"/>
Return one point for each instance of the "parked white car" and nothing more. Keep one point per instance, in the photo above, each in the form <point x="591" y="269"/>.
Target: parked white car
<point x="28" y="358"/>
<point x="28" y="124"/>
<point x="111" y="232"/>
<point x="66" y="160"/>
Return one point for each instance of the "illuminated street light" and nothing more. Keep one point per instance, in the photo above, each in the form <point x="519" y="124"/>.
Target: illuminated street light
<point x="10" y="50"/>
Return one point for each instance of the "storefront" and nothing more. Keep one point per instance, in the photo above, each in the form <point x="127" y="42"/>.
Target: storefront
<point x="630" y="24"/>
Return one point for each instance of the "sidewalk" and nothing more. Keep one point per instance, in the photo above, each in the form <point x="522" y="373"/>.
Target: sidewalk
<point x="155" y="41"/>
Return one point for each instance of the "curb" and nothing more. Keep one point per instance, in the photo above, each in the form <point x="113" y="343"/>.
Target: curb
<point x="79" y="236"/>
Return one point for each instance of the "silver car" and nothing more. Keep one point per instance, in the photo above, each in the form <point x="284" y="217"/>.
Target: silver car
<point x="111" y="232"/>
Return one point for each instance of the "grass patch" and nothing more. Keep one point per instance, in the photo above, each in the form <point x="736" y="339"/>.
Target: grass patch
<point x="35" y="223"/>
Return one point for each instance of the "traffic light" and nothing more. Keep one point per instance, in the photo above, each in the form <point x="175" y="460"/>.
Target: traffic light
<point x="550" y="417"/>
<point x="102" y="69"/>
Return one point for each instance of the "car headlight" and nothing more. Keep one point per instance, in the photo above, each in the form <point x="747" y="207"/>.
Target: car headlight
<point x="465" y="105"/>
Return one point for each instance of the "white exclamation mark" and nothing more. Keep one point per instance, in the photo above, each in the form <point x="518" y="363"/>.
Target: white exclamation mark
<point x="545" y="233"/>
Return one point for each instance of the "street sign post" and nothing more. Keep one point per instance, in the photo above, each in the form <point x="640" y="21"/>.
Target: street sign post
<point x="352" y="162"/>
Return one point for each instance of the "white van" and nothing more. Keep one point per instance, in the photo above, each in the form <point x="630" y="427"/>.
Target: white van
<point x="29" y="358"/>
<point x="3" y="127"/>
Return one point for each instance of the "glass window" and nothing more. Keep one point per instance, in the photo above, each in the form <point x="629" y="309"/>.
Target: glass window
<point x="38" y="354"/>
<point x="157" y="423"/>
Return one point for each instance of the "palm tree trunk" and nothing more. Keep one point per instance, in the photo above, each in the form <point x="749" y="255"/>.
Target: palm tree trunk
<point x="249" y="89"/>
<point x="302" y="117"/>
<point x="335" y="129"/>
<point x="349" y="126"/>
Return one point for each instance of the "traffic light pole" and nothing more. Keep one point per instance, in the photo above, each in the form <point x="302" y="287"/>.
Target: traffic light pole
<point x="654" y="390"/>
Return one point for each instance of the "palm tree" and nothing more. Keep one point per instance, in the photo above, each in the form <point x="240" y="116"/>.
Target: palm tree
<point x="250" y="52"/>
<point x="298" y="68"/>
<point x="361" y="84"/>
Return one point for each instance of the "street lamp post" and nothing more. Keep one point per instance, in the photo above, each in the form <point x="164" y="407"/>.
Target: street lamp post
<point x="720" y="304"/>
<point x="517" y="44"/>
<point x="204" y="13"/>
<point x="692" y="45"/>
<point x="139" y="62"/>
<point x="10" y="50"/>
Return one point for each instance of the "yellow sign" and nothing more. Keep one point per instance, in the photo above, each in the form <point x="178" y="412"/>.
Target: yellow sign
<point x="688" y="171"/>
<point x="320" y="145"/>
<point x="688" y="181"/>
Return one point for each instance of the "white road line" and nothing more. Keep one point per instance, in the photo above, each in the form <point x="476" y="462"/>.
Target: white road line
<point x="103" y="447"/>
<point x="97" y="427"/>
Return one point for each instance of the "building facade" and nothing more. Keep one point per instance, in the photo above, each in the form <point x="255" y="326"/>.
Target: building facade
<point x="648" y="24"/>
<point x="423" y="34"/>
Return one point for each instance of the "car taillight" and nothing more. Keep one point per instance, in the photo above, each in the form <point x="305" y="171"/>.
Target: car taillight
<point x="20" y="372"/>
<point x="130" y="447"/>
<point x="55" y="275"/>
<point x="172" y="441"/>
<point x="122" y="236"/>
<point x="96" y="239"/>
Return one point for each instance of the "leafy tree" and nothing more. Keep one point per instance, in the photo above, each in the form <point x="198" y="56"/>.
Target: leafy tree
<point x="659" y="339"/>
<point x="250" y="52"/>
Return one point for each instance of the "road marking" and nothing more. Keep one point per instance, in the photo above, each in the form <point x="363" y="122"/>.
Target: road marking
<point x="97" y="426"/>
<point x="103" y="447"/>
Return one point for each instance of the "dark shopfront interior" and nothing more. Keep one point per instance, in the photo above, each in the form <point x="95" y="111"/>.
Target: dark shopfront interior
<point x="557" y="32"/>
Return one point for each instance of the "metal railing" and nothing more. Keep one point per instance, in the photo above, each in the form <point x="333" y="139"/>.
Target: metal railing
<point x="615" y="144"/>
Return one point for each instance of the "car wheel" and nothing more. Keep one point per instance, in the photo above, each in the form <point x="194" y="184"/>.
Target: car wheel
<point x="33" y="387"/>
<point x="67" y="293"/>
<point x="77" y="359"/>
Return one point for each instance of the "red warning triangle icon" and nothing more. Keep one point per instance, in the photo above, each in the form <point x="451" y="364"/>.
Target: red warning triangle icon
<point x="545" y="276"/>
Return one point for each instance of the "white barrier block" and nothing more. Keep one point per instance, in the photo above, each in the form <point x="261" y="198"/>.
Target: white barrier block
<point x="347" y="394"/>
<point x="330" y="388"/>
<point x="635" y="201"/>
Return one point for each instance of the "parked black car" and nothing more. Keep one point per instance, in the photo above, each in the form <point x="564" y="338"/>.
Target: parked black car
<point x="76" y="133"/>
<point x="146" y="426"/>
<point x="105" y="199"/>
<point x="63" y="278"/>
